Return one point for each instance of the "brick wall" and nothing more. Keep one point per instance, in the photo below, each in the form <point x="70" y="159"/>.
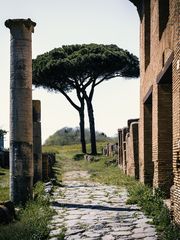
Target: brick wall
<point x="128" y="154"/>
<point x="132" y="151"/>
<point x="176" y="122"/>
<point x="124" y="164"/>
<point x="159" y="126"/>
<point x="120" y="150"/>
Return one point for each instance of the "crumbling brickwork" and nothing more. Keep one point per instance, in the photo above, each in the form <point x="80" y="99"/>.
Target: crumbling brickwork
<point x="176" y="121"/>
<point x="120" y="151"/>
<point x="133" y="151"/>
<point x="159" y="126"/>
<point x="124" y="164"/>
<point x="128" y="153"/>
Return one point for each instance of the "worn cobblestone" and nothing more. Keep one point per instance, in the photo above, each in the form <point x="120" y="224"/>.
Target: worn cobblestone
<point x="93" y="211"/>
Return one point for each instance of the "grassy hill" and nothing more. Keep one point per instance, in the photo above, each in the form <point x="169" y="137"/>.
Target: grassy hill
<point x="70" y="136"/>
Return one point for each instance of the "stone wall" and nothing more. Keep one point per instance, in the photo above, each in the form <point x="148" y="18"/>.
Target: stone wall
<point x="124" y="165"/>
<point x="110" y="150"/>
<point x="128" y="149"/>
<point x="48" y="161"/>
<point x="133" y="151"/>
<point x="176" y="122"/>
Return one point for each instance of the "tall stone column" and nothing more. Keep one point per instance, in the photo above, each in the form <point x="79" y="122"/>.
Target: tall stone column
<point x="21" y="139"/>
<point x="37" y="149"/>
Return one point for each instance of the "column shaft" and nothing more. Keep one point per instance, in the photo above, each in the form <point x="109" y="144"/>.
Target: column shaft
<point x="21" y="161"/>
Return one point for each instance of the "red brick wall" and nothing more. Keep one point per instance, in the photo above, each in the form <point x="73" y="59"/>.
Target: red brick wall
<point x="176" y="121"/>
<point x="132" y="151"/>
<point x="159" y="126"/>
<point x="120" y="150"/>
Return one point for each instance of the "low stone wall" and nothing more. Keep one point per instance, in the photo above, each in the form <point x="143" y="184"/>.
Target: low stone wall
<point x="110" y="149"/>
<point x="48" y="160"/>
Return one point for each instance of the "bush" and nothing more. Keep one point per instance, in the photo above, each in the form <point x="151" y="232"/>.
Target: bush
<point x="78" y="156"/>
<point x="33" y="219"/>
<point x="153" y="206"/>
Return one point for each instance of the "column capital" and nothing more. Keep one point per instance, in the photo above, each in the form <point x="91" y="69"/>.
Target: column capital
<point x="28" y="23"/>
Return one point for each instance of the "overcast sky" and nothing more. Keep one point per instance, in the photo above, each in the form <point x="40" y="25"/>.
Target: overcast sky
<point x="63" y="22"/>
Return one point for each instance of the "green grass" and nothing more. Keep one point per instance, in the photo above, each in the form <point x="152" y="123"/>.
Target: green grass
<point x="4" y="184"/>
<point x="32" y="220"/>
<point x="104" y="172"/>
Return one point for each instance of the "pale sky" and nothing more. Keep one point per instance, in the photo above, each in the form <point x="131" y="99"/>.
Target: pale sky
<point x="63" y="22"/>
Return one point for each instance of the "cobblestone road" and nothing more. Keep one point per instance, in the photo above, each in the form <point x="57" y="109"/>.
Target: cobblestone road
<point x="92" y="211"/>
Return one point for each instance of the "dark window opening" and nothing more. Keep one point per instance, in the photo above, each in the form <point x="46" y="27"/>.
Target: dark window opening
<point x="147" y="31"/>
<point x="163" y="16"/>
<point x="148" y="163"/>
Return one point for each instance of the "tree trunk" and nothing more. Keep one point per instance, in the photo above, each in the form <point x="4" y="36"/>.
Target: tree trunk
<point x="81" y="116"/>
<point x="92" y="127"/>
<point x="82" y="130"/>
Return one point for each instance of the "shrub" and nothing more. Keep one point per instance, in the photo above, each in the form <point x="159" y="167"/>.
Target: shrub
<point x="32" y="220"/>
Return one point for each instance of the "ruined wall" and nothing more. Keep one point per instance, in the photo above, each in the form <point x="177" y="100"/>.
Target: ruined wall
<point x="159" y="126"/>
<point x="124" y="163"/>
<point x="133" y="151"/>
<point x="176" y="118"/>
<point x="156" y="60"/>
<point x="120" y="153"/>
<point x="128" y="148"/>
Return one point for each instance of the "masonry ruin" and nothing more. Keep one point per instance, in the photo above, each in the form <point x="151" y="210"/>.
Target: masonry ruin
<point x="148" y="148"/>
<point x="159" y="124"/>
<point x="128" y="148"/>
<point x="27" y="163"/>
<point x="37" y="149"/>
<point x="21" y="138"/>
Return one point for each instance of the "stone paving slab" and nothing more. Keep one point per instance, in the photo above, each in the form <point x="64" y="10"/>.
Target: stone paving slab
<point x="93" y="211"/>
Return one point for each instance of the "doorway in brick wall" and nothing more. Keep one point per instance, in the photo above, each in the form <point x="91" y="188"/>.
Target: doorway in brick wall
<point x="164" y="161"/>
<point x="148" y="163"/>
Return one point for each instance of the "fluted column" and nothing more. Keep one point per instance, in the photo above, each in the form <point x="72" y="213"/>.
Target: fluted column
<point x="21" y="139"/>
<point x="37" y="149"/>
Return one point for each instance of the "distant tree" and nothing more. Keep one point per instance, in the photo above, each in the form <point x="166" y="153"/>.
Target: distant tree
<point x="83" y="67"/>
<point x="69" y="136"/>
<point x="3" y="132"/>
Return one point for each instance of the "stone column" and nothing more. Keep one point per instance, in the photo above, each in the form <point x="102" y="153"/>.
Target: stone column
<point x="37" y="149"/>
<point x="21" y="139"/>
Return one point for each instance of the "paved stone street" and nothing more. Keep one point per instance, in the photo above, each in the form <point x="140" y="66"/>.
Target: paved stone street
<point x="87" y="210"/>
